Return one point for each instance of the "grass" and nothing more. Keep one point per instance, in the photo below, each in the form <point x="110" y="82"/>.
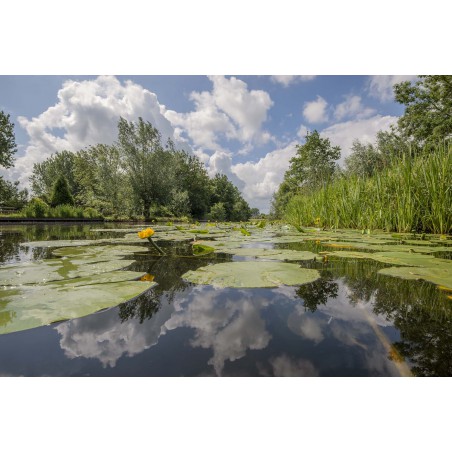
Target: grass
<point x="415" y="194"/>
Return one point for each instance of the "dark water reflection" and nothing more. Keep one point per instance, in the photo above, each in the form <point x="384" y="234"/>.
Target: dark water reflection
<point x="351" y="322"/>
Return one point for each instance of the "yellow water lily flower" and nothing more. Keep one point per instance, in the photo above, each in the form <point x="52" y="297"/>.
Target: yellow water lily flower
<point x="145" y="233"/>
<point x="147" y="277"/>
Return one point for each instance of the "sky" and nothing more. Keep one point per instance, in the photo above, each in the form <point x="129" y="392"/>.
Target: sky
<point x="244" y="126"/>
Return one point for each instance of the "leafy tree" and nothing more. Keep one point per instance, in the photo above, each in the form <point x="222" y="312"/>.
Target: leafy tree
<point x="103" y="183"/>
<point x="254" y="213"/>
<point x="150" y="166"/>
<point x="392" y="146"/>
<point x="192" y="177"/>
<point x="241" y="210"/>
<point x="11" y="195"/>
<point x="225" y="192"/>
<point x="428" y="108"/>
<point x="364" y="160"/>
<point x="61" y="193"/>
<point x="180" y="203"/>
<point x="7" y="141"/>
<point x="218" y="212"/>
<point x="314" y="163"/>
<point x="47" y="172"/>
<point x="313" y="166"/>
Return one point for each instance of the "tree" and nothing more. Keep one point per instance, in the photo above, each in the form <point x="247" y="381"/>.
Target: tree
<point x="226" y="193"/>
<point x="314" y="163"/>
<point x="61" y="193"/>
<point x="255" y="213"/>
<point x="47" y="172"/>
<point x="103" y="183"/>
<point x="217" y="212"/>
<point x="312" y="167"/>
<point x="192" y="177"/>
<point x="150" y="167"/>
<point x="364" y="160"/>
<point x="428" y="108"/>
<point x="7" y="141"/>
<point x="11" y="196"/>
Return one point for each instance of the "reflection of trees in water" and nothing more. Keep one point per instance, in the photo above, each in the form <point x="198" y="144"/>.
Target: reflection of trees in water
<point x="12" y="236"/>
<point x="318" y="292"/>
<point x="420" y="312"/>
<point x="424" y="319"/>
<point x="167" y="272"/>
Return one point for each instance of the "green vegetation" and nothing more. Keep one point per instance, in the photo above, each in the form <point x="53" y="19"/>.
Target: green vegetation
<point x="401" y="183"/>
<point x="138" y="178"/>
<point x="413" y="194"/>
<point x="7" y="141"/>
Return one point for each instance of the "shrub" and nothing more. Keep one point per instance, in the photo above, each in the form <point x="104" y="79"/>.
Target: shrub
<point x="36" y="208"/>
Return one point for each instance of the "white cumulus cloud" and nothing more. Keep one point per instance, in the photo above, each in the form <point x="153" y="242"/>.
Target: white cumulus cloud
<point x="86" y="113"/>
<point x="262" y="178"/>
<point x="381" y="86"/>
<point x="229" y="111"/>
<point x="344" y="133"/>
<point x="315" y="111"/>
<point x="352" y="107"/>
<point x="287" y="80"/>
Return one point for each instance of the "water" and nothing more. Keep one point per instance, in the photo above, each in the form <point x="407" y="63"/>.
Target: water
<point x="351" y="322"/>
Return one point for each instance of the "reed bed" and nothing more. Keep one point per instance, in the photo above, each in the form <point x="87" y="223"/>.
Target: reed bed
<point x="413" y="194"/>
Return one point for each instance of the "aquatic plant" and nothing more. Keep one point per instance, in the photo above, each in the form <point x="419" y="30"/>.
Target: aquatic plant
<point x="147" y="234"/>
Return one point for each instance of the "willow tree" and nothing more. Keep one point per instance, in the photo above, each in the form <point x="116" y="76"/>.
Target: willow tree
<point x="149" y="165"/>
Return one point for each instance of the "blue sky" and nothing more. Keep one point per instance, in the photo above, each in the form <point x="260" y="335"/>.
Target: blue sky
<point x="244" y="126"/>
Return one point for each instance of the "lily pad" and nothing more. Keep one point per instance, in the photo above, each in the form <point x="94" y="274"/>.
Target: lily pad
<point x="30" y="306"/>
<point x="271" y="253"/>
<point x="441" y="275"/>
<point x="252" y="274"/>
<point x="199" y="250"/>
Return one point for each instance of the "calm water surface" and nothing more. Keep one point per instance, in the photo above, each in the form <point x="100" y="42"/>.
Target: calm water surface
<point x="351" y="322"/>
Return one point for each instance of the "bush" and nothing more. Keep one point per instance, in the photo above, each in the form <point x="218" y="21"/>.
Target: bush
<point x="92" y="213"/>
<point x="61" y="194"/>
<point x="36" y="208"/>
<point x="218" y="212"/>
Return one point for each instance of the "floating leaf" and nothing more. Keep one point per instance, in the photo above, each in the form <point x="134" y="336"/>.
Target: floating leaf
<point x="440" y="275"/>
<point x="252" y="274"/>
<point x="271" y="253"/>
<point x="30" y="306"/>
<point x="199" y="249"/>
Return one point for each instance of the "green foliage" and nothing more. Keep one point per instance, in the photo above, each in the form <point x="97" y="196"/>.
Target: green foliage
<point x="254" y="213"/>
<point x="47" y="172"/>
<point x="314" y="163"/>
<point x="364" y="160"/>
<point x="36" y="208"/>
<point x="138" y="177"/>
<point x="199" y="250"/>
<point x="226" y="193"/>
<point x="413" y="194"/>
<point x="312" y="167"/>
<point x="218" y="212"/>
<point x="7" y="141"/>
<point x="61" y="193"/>
<point x="11" y="196"/>
<point x="245" y="231"/>
<point x="428" y="108"/>
<point x="150" y="166"/>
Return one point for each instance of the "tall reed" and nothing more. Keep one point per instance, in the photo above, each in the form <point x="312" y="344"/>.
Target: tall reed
<point x="414" y="194"/>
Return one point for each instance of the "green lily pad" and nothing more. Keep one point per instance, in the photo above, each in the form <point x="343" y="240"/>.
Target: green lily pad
<point x="199" y="250"/>
<point x="252" y="274"/>
<point x="441" y="275"/>
<point x="30" y="306"/>
<point x="398" y="258"/>
<point x="271" y="253"/>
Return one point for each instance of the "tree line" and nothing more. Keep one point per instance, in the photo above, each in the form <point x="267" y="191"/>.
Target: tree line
<point x="136" y="176"/>
<point x="401" y="182"/>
